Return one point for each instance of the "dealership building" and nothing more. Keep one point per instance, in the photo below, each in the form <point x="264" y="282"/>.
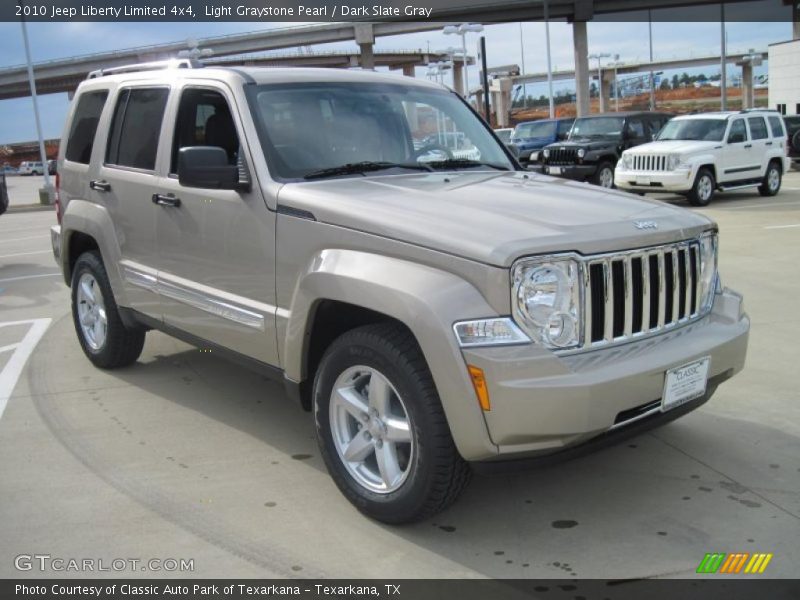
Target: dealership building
<point x="784" y="77"/>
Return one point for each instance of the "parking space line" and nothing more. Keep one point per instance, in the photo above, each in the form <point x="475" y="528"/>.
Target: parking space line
<point x="20" y="278"/>
<point x="25" y="253"/>
<point x="782" y="226"/>
<point x="7" y="348"/>
<point x="13" y="369"/>
<point x="762" y="205"/>
<point x="33" y="237"/>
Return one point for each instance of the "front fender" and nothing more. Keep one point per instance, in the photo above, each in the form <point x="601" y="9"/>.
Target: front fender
<point x="82" y="216"/>
<point x="427" y="300"/>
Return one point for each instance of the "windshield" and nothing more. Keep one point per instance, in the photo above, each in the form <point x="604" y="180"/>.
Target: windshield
<point x="597" y="127"/>
<point x="313" y="130"/>
<point x="535" y="129"/>
<point x="710" y="130"/>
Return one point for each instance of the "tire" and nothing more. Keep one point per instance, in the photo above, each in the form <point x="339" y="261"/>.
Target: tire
<point x="703" y="188"/>
<point x="772" y="180"/>
<point x="796" y="141"/>
<point x="108" y="345"/>
<point x="604" y="176"/>
<point x="426" y="474"/>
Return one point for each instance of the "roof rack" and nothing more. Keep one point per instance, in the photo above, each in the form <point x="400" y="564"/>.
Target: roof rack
<point x="173" y="63"/>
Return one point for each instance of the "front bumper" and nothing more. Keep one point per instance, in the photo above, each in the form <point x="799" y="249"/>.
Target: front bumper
<point x="576" y="172"/>
<point x="655" y="182"/>
<point x="542" y="403"/>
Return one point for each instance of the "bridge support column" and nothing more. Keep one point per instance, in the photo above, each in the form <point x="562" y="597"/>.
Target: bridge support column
<point x="408" y="70"/>
<point x="604" y="84"/>
<point x="365" y="38"/>
<point x="458" y="77"/>
<point x="581" y="46"/>
<point x="501" y="100"/>
<point x="748" y="97"/>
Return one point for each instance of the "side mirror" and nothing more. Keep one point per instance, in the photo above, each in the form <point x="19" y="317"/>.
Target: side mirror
<point x="207" y="167"/>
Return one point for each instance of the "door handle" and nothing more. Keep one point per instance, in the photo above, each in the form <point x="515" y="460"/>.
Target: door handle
<point x="769" y="143"/>
<point x="166" y="200"/>
<point x="100" y="185"/>
<point x="748" y="145"/>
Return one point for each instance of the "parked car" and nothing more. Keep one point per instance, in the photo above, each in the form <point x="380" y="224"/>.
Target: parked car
<point x="504" y="134"/>
<point x="31" y="168"/>
<point x="595" y="144"/>
<point x="792" y="124"/>
<point x="434" y="316"/>
<point x="9" y="170"/>
<point x="531" y="136"/>
<point x="697" y="155"/>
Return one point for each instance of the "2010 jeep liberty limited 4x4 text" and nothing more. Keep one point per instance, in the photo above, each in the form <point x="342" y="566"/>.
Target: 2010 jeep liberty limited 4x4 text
<point x="434" y="311"/>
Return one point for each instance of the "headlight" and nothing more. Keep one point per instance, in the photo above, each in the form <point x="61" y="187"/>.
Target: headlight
<point x="581" y="152"/>
<point x="546" y="153"/>
<point x="673" y="160"/>
<point x="627" y="161"/>
<point x="489" y="332"/>
<point x="708" y="270"/>
<point x="546" y="300"/>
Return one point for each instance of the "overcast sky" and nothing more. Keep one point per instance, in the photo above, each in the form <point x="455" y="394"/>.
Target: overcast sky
<point x="629" y="40"/>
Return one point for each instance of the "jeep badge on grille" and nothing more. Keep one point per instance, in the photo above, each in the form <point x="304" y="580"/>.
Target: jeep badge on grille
<point x="645" y="224"/>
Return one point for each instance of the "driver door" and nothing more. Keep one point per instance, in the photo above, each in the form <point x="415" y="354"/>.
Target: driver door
<point x="216" y="248"/>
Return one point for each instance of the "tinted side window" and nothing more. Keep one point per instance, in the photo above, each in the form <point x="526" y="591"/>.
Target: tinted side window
<point x="563" y="129"/>
<point x="134" y="131"/>
<point x="204" y="119"/>
<point x="737" y="131"/>
<point x="84" y="126"/>
<point x="777" y="126"/>
<point x="758" y="128"/>
<point x="636" y="128"/>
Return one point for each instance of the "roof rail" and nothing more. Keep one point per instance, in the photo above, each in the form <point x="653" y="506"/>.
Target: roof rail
<point x="748" y="110"/>
<point x="173" y="63"/>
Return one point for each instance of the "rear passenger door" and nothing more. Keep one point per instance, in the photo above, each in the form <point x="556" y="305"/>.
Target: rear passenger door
<point x="759" y="136"/>
<point x="737" y="154"/>
<point x="216" y="248"/>
<point x="124" y="182"/>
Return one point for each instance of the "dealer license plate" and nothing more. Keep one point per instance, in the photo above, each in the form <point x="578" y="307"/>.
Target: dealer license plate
<point x="555" y="170"/>
<point x="686" y="383"/>
<point x="642" y="181"/>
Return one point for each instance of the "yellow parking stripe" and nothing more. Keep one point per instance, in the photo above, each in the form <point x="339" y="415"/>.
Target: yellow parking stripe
<point x="767" y="558"/>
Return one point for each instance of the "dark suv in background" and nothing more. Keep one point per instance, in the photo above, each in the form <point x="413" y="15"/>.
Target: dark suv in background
<point x="793" y="137"/>
<point x="531" y="136"/>
<point x="595" y="143"/>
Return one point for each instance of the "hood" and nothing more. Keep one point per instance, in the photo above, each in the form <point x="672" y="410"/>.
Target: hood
<point x="534" y="142"/>
<point x="675" y="147"/>
<point x="493" y="217"/>
<point x="587" y="143"/>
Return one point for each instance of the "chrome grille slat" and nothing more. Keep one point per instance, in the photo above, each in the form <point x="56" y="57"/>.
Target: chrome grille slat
<point x="608" y="279"/>
<point x="628" y="296"/>
<point x="649" y="162"/>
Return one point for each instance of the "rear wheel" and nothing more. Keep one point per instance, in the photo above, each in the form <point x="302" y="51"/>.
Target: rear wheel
<point x="703" y="189"/>
<point x="381" y="428"/>
<point x="772" y="180"/>
<point x="105" y="339"/>
<point x="604" y="176"/>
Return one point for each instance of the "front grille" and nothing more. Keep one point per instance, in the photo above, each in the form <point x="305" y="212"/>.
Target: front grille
<point x="562" y="156"/>
<point x="640" y="292"/>
<point x="650" y="162"/>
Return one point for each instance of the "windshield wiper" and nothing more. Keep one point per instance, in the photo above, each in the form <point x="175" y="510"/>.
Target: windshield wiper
<point x="463" y="163"/>
<point x="363" y="167"/>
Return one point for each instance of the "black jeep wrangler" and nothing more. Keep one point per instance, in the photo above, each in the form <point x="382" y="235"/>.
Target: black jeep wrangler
<point x="595" y="143"/>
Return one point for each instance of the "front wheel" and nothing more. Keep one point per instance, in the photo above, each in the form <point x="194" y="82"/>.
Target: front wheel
<point x="772" y="180"/>
<point x="105" y="339"/>
<point x="703" y="189"/>
<point x="381" y="428"/>
<point x="604" y="176"/>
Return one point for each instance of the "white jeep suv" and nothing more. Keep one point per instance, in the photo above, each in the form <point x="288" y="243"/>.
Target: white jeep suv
<point x="696" y="155"/>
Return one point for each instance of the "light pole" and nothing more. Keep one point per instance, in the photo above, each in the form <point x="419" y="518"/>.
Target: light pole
<point x="600" y="77"/>
<point x="652" y="79"/>
<point x="32" y="83"/>
<point x="616" y="86"/>
<point x="723" y="79"/>
<point x="522" y="63"/>
<point x="549" y="67"/>
<point x="463" y="29"/>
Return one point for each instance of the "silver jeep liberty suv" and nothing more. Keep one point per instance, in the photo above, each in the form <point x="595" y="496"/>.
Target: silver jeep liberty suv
<point x="367" y="240"/>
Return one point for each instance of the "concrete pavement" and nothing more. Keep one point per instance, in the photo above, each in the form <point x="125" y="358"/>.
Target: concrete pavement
<point x="186" y="456"/>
